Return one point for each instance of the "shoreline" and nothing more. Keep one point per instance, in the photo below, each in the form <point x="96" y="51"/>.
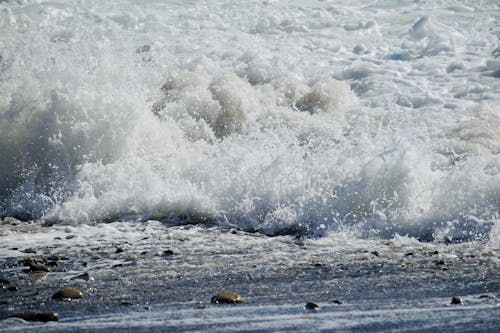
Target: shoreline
<point x="152" y="277"/>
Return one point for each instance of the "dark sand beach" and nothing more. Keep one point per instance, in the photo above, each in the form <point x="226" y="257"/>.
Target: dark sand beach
<point x="154" y="278"/>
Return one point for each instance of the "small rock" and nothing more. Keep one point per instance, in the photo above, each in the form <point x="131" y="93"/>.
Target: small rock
<point x="49" y="316"/>
<point x="456" y="300"/>
<point x="38" y="268"/>
<point x="39" y="275"/>
<point x="167" y="253"/>
<point x="439" y="262"/>
<point x="4" y="281"/>
<point x="119" y="250"/>
<point x="375" y="253"/>
<point x="13" y="288"/>
<point x="29" y="250"/>
<point x="55" y="257"/>
<point x="227" y="297"/>
<point x="409" y="254"/>
<point x="85" y="276"/>
<point x="337" y="301"/>
<point x="200" y="305"/>
<point x="311" y="306"/>
<point x="28" y="262"/>
<point x="488" y="296"/>
<point x="68" y="293"/>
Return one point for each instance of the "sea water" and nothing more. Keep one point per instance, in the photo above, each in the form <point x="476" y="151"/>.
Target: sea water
<point x="283" y="117"/>
<point x="364" y="137"/>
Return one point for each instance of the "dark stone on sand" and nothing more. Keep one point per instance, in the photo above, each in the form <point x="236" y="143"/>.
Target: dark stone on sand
<point x="322" y="265"/>
<point x="44" y="317"/>
<point x="119" y="250"/>
<point x="456" y="300"/>
<point x="39" y="275"/>
<point x="12" y="288"/>
<point x="28" y="262"/>
<point x="440" y="262"/>
<point x="55" y="257"/>
<point x="4" y="281"/>
<point x="85" y="276"/>
<point x="68" y="293"/>
<point x="337" y="301"/>
<point x="168" y="253"/>
<point x="29" y="250"/>
<point x="488" y="296"/>
<point x="201" y="305"/>
<point x="52" y="263"/>
<point x="375" y="253"/>
<point x="38" y="268"/>
<point x="312" y="306"/>
<point x="409" y="254"/>
<point x="227" y="297"/>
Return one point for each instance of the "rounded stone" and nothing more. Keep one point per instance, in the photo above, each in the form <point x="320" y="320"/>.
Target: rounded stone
<point x="227" y="297"/>
<point x="312" y="306"/>
<point x="39" y="275"/>
<point x="68" y="293"/>
<point x="39" y="268"/>
<point x="85" y="276"/>
<point x="49" y="316"/>
<point x="456" y="300"/>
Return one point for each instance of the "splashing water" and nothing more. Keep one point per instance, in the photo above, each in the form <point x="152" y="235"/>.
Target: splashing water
<point x="281" y="117"/>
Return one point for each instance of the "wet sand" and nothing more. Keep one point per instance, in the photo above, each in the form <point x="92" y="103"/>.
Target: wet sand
<point x="160" y="278"/>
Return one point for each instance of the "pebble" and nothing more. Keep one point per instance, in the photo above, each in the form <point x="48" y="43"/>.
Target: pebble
<point x="456" y="300"/>
<point x="337" y="301"/>
<point x="4" y="281"/>
<point x="49" y="316"/>
<point x="200" y="305"/>
<point x="39" y="275"/>
<point x="29" y="250"/>
<point x="38" y="268"/>
<point x="489" y="296"/>
<point x="312" y="306"/>
<point x="68" y="293"/>
<point x="55" y="257"/>
<point x="167" y="253"/>
<point x="85" y="276"/>
<point x="13" y="288"/>
<point x="227" y="297"/>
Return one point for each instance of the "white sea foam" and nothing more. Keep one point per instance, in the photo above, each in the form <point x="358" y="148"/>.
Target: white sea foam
<point x="273" y="116"/>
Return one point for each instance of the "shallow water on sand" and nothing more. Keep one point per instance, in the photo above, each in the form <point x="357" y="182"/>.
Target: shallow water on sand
<point x="154" y="277"/>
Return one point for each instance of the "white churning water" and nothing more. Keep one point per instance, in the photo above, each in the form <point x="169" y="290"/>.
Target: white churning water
<point x="278" y="116"/>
